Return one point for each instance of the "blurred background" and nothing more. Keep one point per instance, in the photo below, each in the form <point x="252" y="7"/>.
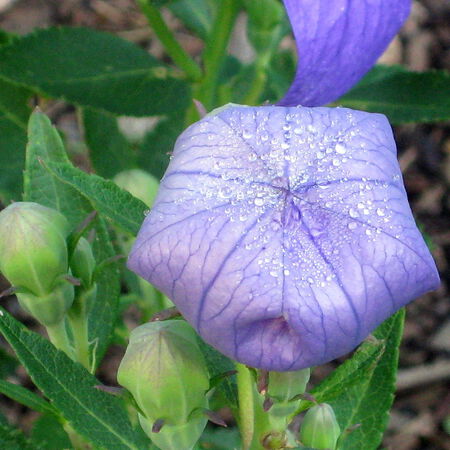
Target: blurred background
<point x="420" y="418"/>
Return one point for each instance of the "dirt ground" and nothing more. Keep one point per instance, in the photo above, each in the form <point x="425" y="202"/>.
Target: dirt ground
<point x="420" y="418"/>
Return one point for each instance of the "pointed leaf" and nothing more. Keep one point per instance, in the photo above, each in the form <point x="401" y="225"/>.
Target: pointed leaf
<point x="368" y="401"/>
<point x="97" y="416"/>
<point x="109" y="150"/>
<point x="26" y="397"/>
<point x="402" y="95"/>
<point x="107" y="198"/>
<point x="13" y="124"/>
<point x="44" y="146"/>
<point x="85" y="67"/>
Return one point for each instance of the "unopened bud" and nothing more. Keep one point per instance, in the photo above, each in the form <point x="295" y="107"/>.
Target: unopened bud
<point x="165" y="372"/>
<point x="284" y="386"/>
<point x="138" y="183"/>
<point x="48" y="309"/>
<point x="82" y="262"/>
<point x="170" y="437"/>
<point x="33" y="249"/>
<point x="320" y="429"/>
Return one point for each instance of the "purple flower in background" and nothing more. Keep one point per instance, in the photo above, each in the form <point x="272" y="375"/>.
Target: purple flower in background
<point x="284" y="235"/>
<point x="338" y="41"/>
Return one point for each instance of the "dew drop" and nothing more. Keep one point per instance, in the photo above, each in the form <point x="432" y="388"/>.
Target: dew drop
<point x="340" y="149"/>
<point x="336" y="162"/>
<point x="380" y="212"/>
<point x="259" y="201"/>
<point x="247" y="135"/>
<point x="353" y="213"/>
<point x="286" y="272"/>
<point x="352" y="225"/>
<point x="320" y="155"/>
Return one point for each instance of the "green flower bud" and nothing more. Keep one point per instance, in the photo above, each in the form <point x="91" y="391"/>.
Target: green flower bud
<point x="138" y="183"/>
<point x="320" y="429"/>
<point x="264" y="23"/>
<point x="82" y="262"/>
<point x="33" y="249"/>
<point x="165" y="372"/>
<point x="284" y="386"/>
<point x="170" y="437"/>
<point x="48" y="309"/>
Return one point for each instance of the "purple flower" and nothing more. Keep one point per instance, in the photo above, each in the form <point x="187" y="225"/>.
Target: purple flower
<point x="338" y="42"/>
<point x="284" y="235"/>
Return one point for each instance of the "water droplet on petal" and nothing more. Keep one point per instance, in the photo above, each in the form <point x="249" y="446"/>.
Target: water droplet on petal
<point x="353" y="213"/>
<point x="340" y="149"/>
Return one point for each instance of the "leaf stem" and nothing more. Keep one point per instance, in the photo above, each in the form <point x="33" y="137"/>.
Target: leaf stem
<point x="58" y="337"/>
<point x="246" y="404"/>
<point x="78" y="322"/>
<point x="173" y="48"/>
<point x="214" y="52"/>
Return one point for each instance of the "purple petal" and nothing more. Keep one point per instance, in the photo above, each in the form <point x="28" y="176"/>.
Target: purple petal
<point x="284" y="235"/>
<point x="338" y="41"/>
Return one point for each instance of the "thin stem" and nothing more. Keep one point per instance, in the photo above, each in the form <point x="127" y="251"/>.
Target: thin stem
<point x="58" y="337"/>
<point x="246" y="404"/>
<point x="173" y="48"/>
<point x="80" y="340"/>
<point x="214" y="52"/>
<point x="78" y="322"/>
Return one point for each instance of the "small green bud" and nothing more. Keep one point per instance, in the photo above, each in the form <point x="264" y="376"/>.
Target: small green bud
<point x="179" y="437"/>
<point x="82" y="262"/>
<point x="165" y="372"/>
<point x="138" y="183"/>
<point x="33" y="249"/>
<point x="264" y="23"/>
<point x="48" y="309"/>
<point x="284" y="386"/>
<point x="320" y="429"/>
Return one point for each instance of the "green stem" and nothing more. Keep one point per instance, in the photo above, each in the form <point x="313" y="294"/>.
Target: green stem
<point x="58" y="337"/>
<point x="245" y="385"/>
<point x="80" y="340"/>
<point x="214" y="52"/>
<point x="78" y="322"/>
<point x="259" y="82"/>
<point x="172" y="46"/>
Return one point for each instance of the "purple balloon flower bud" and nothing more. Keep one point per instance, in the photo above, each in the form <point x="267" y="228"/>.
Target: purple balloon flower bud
<point x="284" y="235"/>
<point x="338" y="41"/>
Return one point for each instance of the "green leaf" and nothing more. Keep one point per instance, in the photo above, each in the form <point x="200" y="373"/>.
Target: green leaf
<point x="197" y="15"/>
<point x="13" y="125"/>
<point x="401" y="95"/>
<point x="25" y="397"/>
<point x="45" y="146"/>
<point x="98" y="417"/>
<point x="109" y="150"/>
<point x="360" y="366"/>
<point x="126" y="211"/>
<point x="368" y="400"/>
<point x="49" y="434"/>
<point x="8" y="363"/>
<point x="219" y="364"/>
<point x="220" y="439"/>
<point x="93" y="68"/>
<point x="13" y="439"/>
<point x="157" y="146"/>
